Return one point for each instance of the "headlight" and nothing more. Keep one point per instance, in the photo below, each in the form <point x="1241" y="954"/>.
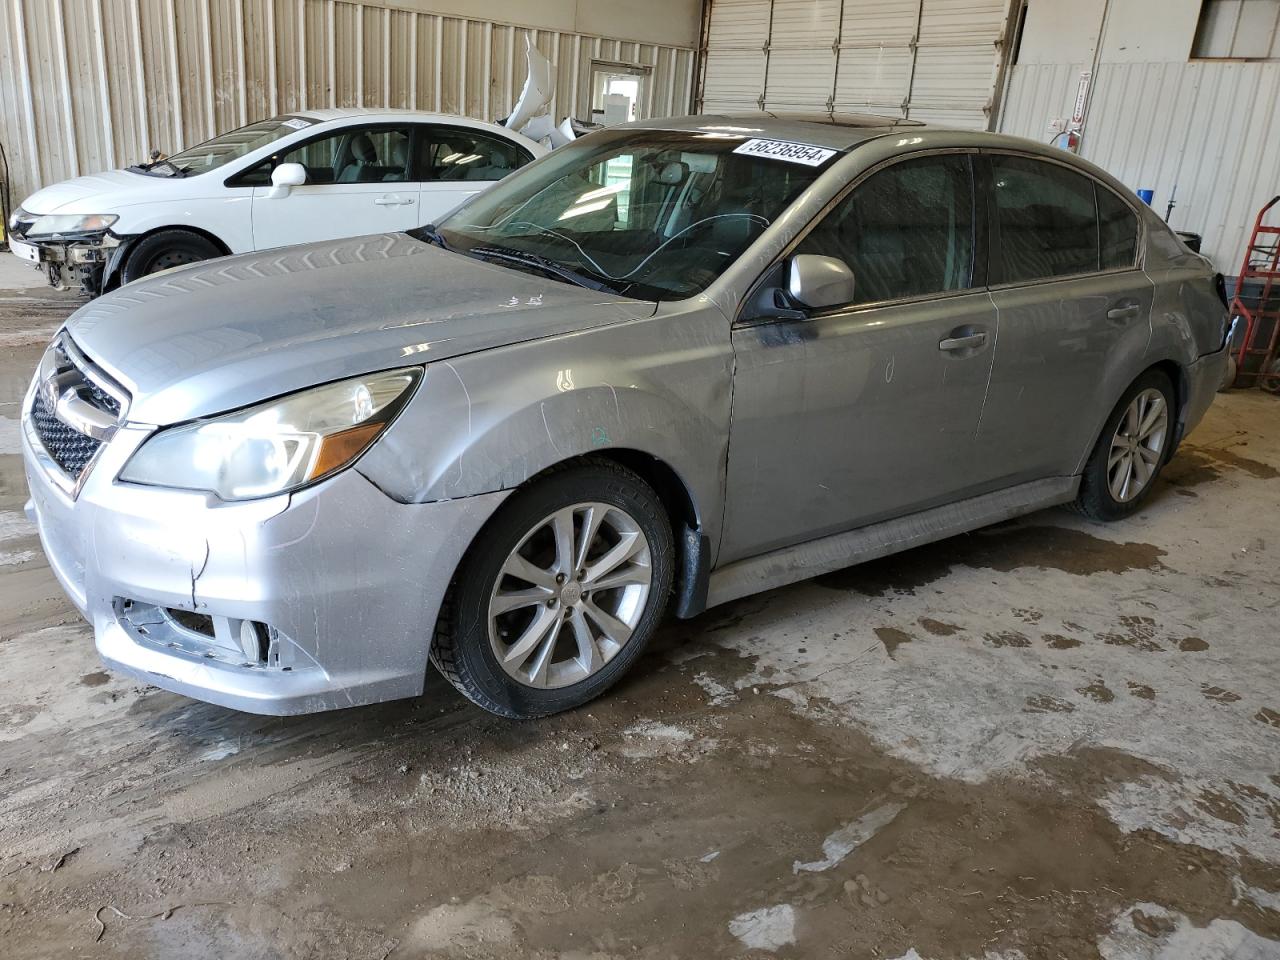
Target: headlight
<point x="276" y="446"/>
<point x="71" y="223"/>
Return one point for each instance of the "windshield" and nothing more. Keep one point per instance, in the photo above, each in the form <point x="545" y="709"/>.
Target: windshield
<point x="229" y="146"/>
<point x="649" y="214"/>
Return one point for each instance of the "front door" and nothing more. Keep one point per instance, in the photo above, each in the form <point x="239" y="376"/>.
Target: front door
<point x="1075" y="311"/>
<point x="869" y="410"/>
<point x="357" y="183"/>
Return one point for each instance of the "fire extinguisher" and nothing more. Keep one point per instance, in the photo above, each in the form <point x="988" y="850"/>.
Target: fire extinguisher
<point x="1067" y="140"/>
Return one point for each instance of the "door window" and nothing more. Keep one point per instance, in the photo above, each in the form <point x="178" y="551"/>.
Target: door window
<point x="908" y="231"/>
<point x="456" y="153"/>
<point x="351" y="155"/>
<point x="1117" y="231"/>
<point x="1048" y="220"/>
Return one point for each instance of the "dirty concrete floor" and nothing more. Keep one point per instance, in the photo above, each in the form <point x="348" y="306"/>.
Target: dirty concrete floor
<point x="1049" y="739"/>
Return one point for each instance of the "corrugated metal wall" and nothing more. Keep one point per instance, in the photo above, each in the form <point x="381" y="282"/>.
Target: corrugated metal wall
<point x="1211" y="129"/>
<point x="933" y="60"/>
<point x="87" y="85"/>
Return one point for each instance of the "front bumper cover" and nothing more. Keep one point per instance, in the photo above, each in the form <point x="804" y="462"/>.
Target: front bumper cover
<point x="349" y="581"/>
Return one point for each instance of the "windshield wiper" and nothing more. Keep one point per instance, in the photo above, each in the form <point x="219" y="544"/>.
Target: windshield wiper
<point x="548" y="266"/>
<point x="430" y="234"/>
<point x="148" y="167"/>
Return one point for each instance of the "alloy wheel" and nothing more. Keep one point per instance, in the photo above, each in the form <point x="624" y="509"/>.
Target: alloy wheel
<point x="570" y="595"/>
<point x="1138" y="444"/>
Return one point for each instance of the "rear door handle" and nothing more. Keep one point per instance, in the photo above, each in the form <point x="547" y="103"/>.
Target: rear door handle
<point x="967" y="342"/>
<point x="1124" y="313"/>
<point x="393" y="201"/>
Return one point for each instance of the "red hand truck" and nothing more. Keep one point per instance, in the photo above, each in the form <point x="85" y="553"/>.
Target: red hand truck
<point x="1262" y="318"/>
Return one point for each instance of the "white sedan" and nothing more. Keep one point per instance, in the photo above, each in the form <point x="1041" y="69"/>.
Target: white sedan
<point x="315" y="175"/>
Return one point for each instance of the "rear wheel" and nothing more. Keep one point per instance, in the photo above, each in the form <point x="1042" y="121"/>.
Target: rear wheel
<point x="1131" y="451"/>
<point x="165" y="249"/>
<point x="560" y="593"/>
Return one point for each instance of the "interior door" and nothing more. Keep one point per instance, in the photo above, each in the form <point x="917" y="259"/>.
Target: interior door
<point x="358" y="182"/>
<point x="869" y="410"/>
<point x="1075" y="315"/>
<point x="456" y="163"/>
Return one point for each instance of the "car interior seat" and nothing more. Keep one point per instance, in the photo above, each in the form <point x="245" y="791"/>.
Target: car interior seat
<point x="363" y="155"/>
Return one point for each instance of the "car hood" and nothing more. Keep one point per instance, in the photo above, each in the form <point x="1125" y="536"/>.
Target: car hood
<point x="218" y="335"/>
<point x="98" y="193"/>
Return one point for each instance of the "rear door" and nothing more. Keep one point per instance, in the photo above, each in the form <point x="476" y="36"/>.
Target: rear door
<point x="456" y="163"/>
<point x="868" y="410"/>
<point x="1075" y="314"/>
<point x="358" y="182"/>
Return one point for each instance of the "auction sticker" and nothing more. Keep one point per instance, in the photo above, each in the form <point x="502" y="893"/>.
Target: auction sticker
<point x="297" y="123"/>
<point x="804" y="153"/>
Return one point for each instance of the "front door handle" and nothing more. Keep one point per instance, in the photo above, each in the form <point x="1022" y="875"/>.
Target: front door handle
<point x="393" y="201"/>
<point x="1127" y="312"/>
<point x="969" y="341"/>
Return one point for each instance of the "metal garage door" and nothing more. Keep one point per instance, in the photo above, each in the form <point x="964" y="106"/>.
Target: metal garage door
<point x="934" y="60"/>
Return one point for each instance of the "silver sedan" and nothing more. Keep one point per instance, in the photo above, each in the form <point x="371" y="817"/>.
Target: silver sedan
<point x="668" y="365"/>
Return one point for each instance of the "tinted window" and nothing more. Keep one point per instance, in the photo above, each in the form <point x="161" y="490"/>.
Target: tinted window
<point x="1048" y="224"/>
<point x="1117" y="230"/>
<point x="905" y="232"/>
<point x="456" y="153"/>
<point x="351" y="155"/>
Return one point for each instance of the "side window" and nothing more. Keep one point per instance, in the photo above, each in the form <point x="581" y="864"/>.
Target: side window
<point x="908" y="231"/>
<point x="456" y="153"/>
<point x="1117" y="230"/>
<point x="1048" y="220"/>
<point x="351" y="155"/>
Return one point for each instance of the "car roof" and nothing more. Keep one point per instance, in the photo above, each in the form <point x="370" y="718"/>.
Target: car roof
<point x="351" y="113"/>
<point x="838" y="131"/>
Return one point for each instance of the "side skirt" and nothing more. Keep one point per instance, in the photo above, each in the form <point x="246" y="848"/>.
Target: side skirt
<point x="805" y="560"/>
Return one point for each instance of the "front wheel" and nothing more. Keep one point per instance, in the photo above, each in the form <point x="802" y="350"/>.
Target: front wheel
<point x="1131" y="451"/>
<point x="560" y="593"/>
<point x="165" y="249"/>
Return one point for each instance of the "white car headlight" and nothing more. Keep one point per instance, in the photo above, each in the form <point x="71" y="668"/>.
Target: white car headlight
<point x="276" y="446"/>
<point x="71" y="223"/>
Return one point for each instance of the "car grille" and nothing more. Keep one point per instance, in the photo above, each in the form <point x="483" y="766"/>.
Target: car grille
<point x="66" y="445"/>
<point x="70" y="449"/>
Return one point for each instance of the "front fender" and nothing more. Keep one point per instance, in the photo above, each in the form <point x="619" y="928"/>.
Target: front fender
<point x="489" y="421"/>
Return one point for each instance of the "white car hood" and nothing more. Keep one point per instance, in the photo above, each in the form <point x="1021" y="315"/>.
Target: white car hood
<point x="99" y="193"/>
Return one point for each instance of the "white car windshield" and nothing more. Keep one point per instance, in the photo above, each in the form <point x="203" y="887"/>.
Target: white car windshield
<point x="656" y="215"/>
<point x="232" y="145"/>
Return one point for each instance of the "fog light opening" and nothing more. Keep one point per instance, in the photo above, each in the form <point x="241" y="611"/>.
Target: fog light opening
<point x="253" y="641"/>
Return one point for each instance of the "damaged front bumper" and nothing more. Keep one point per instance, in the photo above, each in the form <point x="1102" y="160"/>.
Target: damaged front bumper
<point x="301" y="602"/>
<point x="83" y="260"/>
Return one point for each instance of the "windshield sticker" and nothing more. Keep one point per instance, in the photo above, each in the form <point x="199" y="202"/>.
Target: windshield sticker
<point x="296" y="123"/>
<point x="785" y="150"/>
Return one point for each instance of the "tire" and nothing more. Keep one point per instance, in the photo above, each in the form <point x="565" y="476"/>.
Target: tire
<point x="535" y="624"/>
<point x="165" y="249"/>
<point x="1104" y="494"/>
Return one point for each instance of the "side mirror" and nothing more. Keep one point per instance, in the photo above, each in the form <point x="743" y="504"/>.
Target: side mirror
<point x="817" y="282"/>
<point x="285" y="177"/>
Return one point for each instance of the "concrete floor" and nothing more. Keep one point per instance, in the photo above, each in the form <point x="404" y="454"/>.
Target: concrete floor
<point x="1049" y="739"/>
